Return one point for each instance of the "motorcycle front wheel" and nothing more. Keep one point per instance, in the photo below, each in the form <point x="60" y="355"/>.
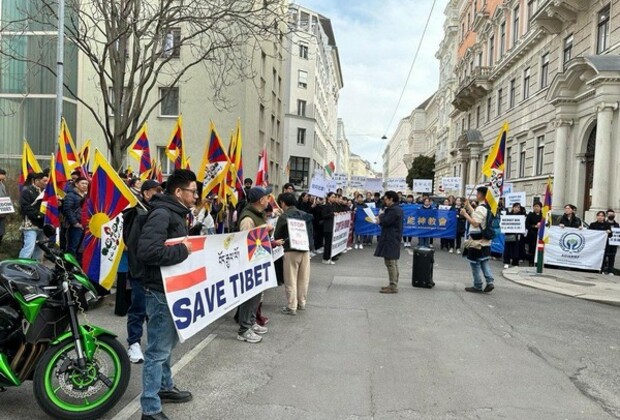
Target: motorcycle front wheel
<point x="65" y="391"/>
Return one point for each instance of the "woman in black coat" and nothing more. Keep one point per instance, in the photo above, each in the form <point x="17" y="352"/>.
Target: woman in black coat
<point x="569" y="219"/>
<point x="602" y="224"/>
<point x="512" y="241"/>
<point x="532" y="223"/>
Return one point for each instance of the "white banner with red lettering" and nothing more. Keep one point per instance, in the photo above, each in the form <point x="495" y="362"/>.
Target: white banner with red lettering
<point x="222" y="272"/>
<point x="342" y="225"/>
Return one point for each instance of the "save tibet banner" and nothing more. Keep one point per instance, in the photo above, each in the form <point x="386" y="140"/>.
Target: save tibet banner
<point x="575" y="248"/>
<point x="342" y="226"/>
<point x="222" y="272"/>
<point x="417" y="222"/>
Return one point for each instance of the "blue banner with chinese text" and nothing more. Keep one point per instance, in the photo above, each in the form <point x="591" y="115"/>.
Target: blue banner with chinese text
<point x="418" y="222"/>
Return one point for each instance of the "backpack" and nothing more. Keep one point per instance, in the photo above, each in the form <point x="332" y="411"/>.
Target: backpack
<point x="488" y="232"/>
<point x="133" y="222"/>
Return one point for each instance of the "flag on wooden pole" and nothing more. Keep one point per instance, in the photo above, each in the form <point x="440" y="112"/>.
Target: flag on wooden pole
<point x="494" y="169"/>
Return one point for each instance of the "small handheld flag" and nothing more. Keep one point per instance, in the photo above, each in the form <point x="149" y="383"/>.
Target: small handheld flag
<point x="214" y="165"/>
<point x="494" y="169"/>
<point x="50" y="204"/>
<point x="140" y="150"/>
<point x="29" y="163"/>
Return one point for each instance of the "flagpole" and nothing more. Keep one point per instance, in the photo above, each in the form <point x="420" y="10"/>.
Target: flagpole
<point x="60" y="59"/>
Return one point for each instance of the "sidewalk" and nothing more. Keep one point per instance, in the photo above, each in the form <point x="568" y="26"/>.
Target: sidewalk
<point x="577" y="284"/>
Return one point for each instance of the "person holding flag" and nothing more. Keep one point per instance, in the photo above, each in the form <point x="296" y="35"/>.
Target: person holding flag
<point x="29" y="164"/>
<point x="30" y="204"/>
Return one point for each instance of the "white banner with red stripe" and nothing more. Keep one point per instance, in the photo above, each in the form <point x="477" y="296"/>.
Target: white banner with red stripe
<point x="222" y="272"/>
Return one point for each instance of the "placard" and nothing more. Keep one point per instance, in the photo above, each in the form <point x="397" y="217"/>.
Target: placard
<point x="615" y="237"/>
<point x="298" y="235"/>
<point x="318" y="186"/>
<point x="451" y="183"/>
<point x="397" y="184"/>
<point x="576" y="248"/>
<point x="341" y="180"/>
<point x="507" y="188"/>
<point x="512" y="223"/>
<point x="422" y="185"/>
<point x="515" y="197"/>
<point x="6" y="205"/>
<point x="342" y="225"/>
<point x="357" y="182"/>
<point x="374" y="184"/>
<point x="331" y="185"/>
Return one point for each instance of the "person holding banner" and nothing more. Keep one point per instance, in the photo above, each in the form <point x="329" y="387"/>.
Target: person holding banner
<point x="168" y="219"/>
<point x="296" y="253"/>
<point x="532" y="223"/>
<point x="610" y="251"/>
<point x="388" y="246"/>
<point x="602" y="224"/>
<point x="569" y="219"/>
<point x="327" y="215"/>
<point x="512" y="241"/>
<point x="478" y="247"/>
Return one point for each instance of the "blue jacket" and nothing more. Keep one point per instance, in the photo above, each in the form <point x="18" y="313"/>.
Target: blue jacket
<point x="72" y="208"/>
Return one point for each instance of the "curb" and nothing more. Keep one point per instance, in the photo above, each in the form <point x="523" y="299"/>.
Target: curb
<point x="516" y="278"/>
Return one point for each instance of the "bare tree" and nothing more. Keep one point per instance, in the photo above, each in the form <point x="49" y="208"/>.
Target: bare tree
<point x="136" y="46"/>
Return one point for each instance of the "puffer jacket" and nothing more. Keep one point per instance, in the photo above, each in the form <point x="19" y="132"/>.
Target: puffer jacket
<point x="72" y="208"/>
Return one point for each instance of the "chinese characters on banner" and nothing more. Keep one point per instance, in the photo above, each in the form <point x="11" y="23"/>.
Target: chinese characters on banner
<point x="451" y="183"/>
<point x="342" y="225"/>
<point x="419" y="223"/>
<point x="397" y="184"/>
<point x="422" y="185"/>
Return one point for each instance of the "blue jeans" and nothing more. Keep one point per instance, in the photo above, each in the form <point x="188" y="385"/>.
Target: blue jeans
<point x="476" y="267"/>
<point x="162" y="337"/>
<point x="136" y="314"/>
<point x="30" y="250"/>
<point x="74" y="238"/>
<point x="425" y="242"/>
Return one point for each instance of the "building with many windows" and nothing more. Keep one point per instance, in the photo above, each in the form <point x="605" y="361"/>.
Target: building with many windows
<point x="360" y="167"/>
<point x="314" y="80"/>
<point x="394" y="153"/>
<point x="550" y="69"/>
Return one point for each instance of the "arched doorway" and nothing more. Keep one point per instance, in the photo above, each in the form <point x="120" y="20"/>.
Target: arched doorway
<point x="589" y="157"/>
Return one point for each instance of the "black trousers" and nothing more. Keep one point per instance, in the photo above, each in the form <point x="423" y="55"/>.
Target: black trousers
<point x="511" y="253"/>
<point x="327" y="246"/>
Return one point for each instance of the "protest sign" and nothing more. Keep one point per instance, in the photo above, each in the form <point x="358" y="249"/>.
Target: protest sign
<point x="397" y="184"/>
<point x="507" y="188"/>
<point x="422" y="185"/>
<point x="331" y="185"/>
<point x="512" y="223"/>
<point x="318" y="186"/>
<point x="342" y="224"/>
<point x="515" y="197"/>
<point x="576" y="248"/>
<point x="451" y="183"/>
<point x="433" y="223"/>
<point x="374" y="184"/>
<point x="615" y="237"/>
<point x="6" y="206"/>
<point x="341" y="180"/>
<point x="357" y="182"/>
<point x="298" y="235"/>
<point x="240" y="266"/>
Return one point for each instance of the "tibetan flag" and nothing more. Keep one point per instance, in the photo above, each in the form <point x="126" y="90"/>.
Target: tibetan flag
<point x="235" y="175"/>
<point x="67" y="147"/>
<point x="103" y="236"/>
<point x="214" y="165"/>
<point x="84" y="157"/>
<point x="140" y="150"/>
<point x="175" y="149"/>
<point x="330" y="168"/>
<point x="29" y="163"/>
<point x="50" y="207"/>
<point x="546" y="213"/>
<point x="262" y="175"/>
<point x="494" y="169"/>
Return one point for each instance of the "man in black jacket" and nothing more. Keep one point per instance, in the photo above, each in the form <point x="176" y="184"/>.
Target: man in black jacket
<point x="327" y="215"/>
<point x="388" y="246"/>
<point x="168" y="219"/>
<point x="30" y="206"/>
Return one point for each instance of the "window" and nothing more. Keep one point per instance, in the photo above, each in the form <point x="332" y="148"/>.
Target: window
<point x="515" y="25"/>
<point x="469" y="121"/>
<point x="500" y="99"/>
<point x="463" y="30"/>
<point x="522" y="160"/>
<point x="171" y="45"/>
<point x="301" y="136"/>
<point x="478" y="116"/>
<point x="166" y="165"/>
<point x="113" y="101"/>
<point x="508" y="171"/>
<point x="502" y="39"/>
<point x="462" y="125"/>
<point x="513" y="93"/>
<point x="489" y="105"/>
<point x="526" y="83"/>
<point x="540" y="154"/>
<point x="301" y="108"/>
<point x="302" y="79"/>
<point x="491" y="50"/>
<point x="602" y="31"/>
<point x="299" y="171"/>
<point x="544" y="71"/>
<point x="530" y="13"/>
<point x="303" y="51"/>
<point x="169" y="105"/>
<point x="568" y="49"/>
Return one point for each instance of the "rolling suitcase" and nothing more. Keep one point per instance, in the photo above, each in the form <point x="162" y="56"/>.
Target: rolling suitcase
<point x="422" y="270"/>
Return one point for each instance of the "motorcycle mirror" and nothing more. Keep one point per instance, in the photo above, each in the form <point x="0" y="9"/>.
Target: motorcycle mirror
<point x="49" y="231"/>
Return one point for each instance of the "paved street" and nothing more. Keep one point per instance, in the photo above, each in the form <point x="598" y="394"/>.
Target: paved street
<point x="519" y="353"/>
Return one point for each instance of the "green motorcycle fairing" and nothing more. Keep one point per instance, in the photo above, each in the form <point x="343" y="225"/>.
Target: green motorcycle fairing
<point x="88" y="334"/>
<point x="30" y="309"/>
<point x="7" y="376"/>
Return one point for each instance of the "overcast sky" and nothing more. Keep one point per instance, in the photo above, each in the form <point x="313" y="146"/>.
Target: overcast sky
<point x="376" y="41"/>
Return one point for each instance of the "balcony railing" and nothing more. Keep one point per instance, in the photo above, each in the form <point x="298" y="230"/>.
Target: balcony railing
<point x="474" y="87"/>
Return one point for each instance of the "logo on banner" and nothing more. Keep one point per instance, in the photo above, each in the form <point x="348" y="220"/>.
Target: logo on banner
<point x="259" y="244"/>
<point x="572" y="243"/>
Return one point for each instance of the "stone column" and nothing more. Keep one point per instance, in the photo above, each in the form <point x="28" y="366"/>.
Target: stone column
<point x="562" y="134"/>
<point x="474" y="168"/>
<point x="602" y="156"/>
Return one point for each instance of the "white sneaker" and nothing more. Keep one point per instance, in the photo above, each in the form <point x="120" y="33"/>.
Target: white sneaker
<point x="451" y="251"/>
<point x="328" y="262"/>
<point x="319" y="251"/>
<point x="356" y="246"/>
<point x="250" y="337"/>
<point x="134" y="352"/>
<point x="506" y="266"/>
<point x="361" y="246"/>
<point x="259" y="330"/>
<point x="458" y="251"/>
